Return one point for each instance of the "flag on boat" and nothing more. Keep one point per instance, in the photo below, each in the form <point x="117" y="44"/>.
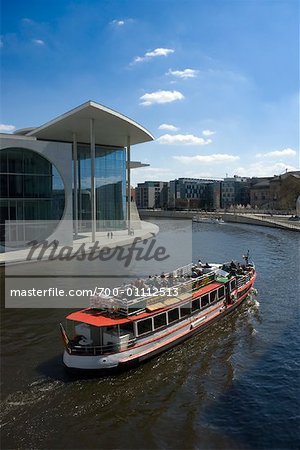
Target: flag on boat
<point x="64" y="335"/>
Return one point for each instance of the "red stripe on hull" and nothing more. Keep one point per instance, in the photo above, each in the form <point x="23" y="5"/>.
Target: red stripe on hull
<point x="176" y="340"/>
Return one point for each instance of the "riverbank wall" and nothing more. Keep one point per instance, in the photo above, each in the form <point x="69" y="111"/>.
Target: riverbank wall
<point x="249" y="219"/>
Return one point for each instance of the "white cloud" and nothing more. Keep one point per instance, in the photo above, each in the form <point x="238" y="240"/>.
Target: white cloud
<point x="153" y="54"/>
<point x="215" y="158"/>
<point x="160" y="97"/>
<point x="100" y="181"/>
<point x="277" y="153"/>
<point x="208" y="132"/>
<point x="151" y="173"/>
<point x="118" y="23"/>
<point x="1" y="42"/>
<point x="28" y="21"/>
<point x="259" y="169"/>
<point x="154" y="170"/>
<point x="182" y="139"/>
<point x="121" y="22"/>
<point x="199" y="173"/>
<point x="186" y="73"/>
<point x="168" y="127"/>
<point x="6" y="128"/>
<point x="38" y="41"/>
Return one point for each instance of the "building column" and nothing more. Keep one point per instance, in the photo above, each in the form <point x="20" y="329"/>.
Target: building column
<point x="75" y="179"/>
<point x="128" y="185"/>
<point x="93" y="185"/>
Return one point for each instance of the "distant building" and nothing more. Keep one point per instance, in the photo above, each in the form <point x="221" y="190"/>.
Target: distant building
<point x="260" y="193"/>
<point x="152" y="194"/>
<point x="235" y="191"/>
<point x="298" y="206"/>
<point x="278" y="192"/>
<point x="284" y="190"/>
<point x="194" y="193"/>
<point x="132" y="193"/>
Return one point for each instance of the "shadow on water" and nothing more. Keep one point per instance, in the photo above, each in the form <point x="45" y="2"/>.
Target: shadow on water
<point x="53" y="369"/>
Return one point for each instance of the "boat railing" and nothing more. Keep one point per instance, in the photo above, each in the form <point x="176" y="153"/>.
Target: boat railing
<point x="181" y="271"/>
<point x="100" y="349"/>
<point x="242" y="280"/>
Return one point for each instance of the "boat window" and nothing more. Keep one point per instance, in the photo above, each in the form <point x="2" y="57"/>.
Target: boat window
<point x="126" y="328"/>
<point x="221" y="292"/>
<point x="173" y="315"/>
<point x="70" y="328"/>
<point x="232" y="285"/>
<point x="212" y="296"/>
<point x="185" y="310"/>
<point x="204" y="300"/>
<point x="95" y="335"/>
<point x="144" y="326"/>
<point x="83" y="330"/>
<point x="196" y="304"/>
<point x="160" y="320"/>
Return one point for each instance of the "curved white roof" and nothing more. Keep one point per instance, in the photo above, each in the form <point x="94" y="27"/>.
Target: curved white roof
<point x="23" y="131"/>
<point x="111" y="127"/>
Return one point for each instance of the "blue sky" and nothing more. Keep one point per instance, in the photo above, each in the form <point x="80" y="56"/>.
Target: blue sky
<point x="216" y="82"/>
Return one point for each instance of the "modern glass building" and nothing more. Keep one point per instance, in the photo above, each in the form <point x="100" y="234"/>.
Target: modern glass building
<point x="30" y="186"/>
<point x="74" y="170"/>
<point x="110" y="181"/>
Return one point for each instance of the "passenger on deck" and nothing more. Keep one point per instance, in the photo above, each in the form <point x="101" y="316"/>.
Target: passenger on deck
<point x="142" y="284"/>
<point x="196" y="272"/>
<point x="233" y="265"/>
<point x="150" y="281"/>
<point x="156" y="281"/>
<point x="164" y="282"/>
<point x="207" y="266"/>
<point x="240" y="270"/>
<point x="136" y="283"/>
<point x="170" y="280"/>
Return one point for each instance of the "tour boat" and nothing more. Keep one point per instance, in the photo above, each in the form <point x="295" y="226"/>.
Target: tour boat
<point x="150" y="316"/>
<point x="215" y="220"/>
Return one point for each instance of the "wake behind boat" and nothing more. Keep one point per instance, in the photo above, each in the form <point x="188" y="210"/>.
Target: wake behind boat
<point x="150" y="316"/>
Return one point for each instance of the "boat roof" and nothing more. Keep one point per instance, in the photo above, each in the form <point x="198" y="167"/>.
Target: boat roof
<point x="103" y="319"/>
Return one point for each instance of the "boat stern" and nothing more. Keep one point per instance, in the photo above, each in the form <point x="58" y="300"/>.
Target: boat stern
<point x="89" y="362"/>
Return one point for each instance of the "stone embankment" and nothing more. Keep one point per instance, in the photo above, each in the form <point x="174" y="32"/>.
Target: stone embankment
<point x="267" y="220"/>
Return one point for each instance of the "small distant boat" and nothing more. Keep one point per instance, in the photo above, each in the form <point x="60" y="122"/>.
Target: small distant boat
<point x="122" y="330"/>
<point x="215" y="220"/>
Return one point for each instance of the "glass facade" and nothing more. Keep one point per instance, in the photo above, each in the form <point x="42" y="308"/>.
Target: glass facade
<point x="110" y="180"/>
<point x="30" y="188"/>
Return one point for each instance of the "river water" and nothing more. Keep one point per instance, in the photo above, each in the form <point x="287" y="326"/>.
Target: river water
<point x="235" y="386"/>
